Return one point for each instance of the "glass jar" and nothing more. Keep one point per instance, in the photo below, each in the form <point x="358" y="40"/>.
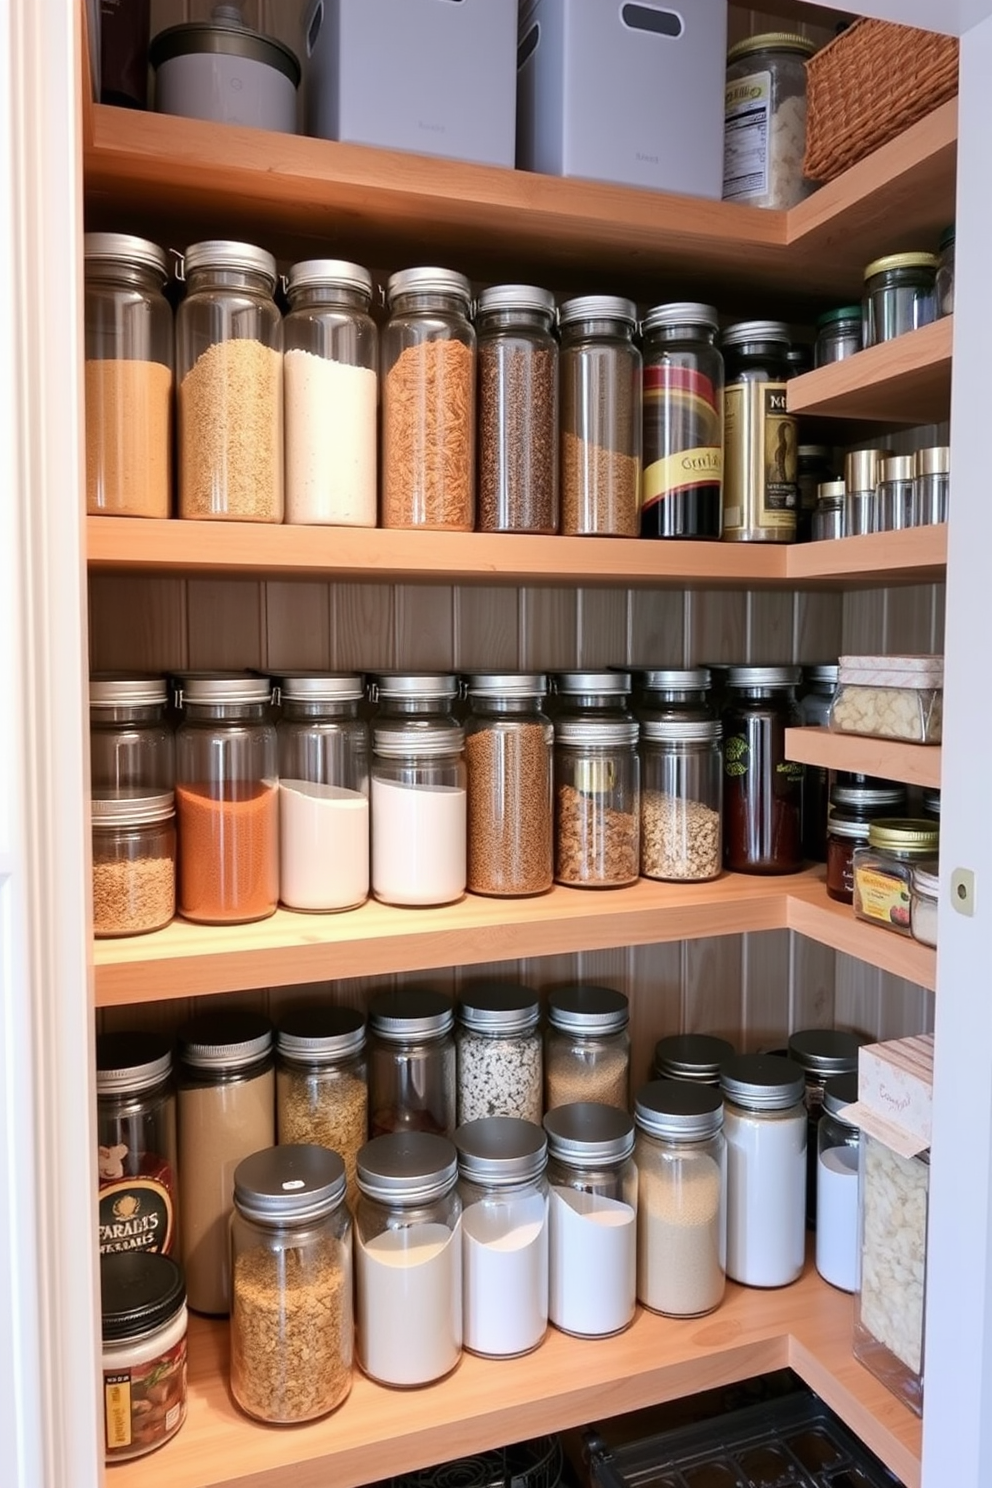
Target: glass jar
<point x="853" y="806"/>
<point x="883" y="871"/>
<point x="828" y="517"/>
<point x="691" y="1056"/>
<point x="930" y="801"/>
<point x="819" y="683"/>
<point x="143" y="1306"/>
<point x="412" y="1079"/>
<point x="415" y="697"/>
<point x="134" y="861"/>
<point x="323" y="793"/>
<point x="681" y="1159"/>
<point x="330" y="368"/>
<point x="226" y="1112"/>
<point x="681" y="800"/>
<point x="600" y="418"/>
<point x="322" y="1089"/>
<point x="597" y="802"/>
<point x="945" y="273"/>
<point x="765" y="120"/>
<point x="508" y="759"/>
<point x="292" y="1325"/>
<point x="837" y="1144"/>
<point x="227" y="799"/>
<point x="499" y="1049"/>
<point x="838" y="335"/>
<point x="408" y="1259"/>
<point x="673" y="695"/>
<point x="900" y="295"/>
<point x="586" y="695"/>
<point x="682" y="484"/>
<point x="593" y="1219"/>
<point x="820" y="1053"/>
<point x="518" y="409"/>
<point x="229" y="365"/>
<point x="419" y="813"/>
<point x="136" y="1137"/>
<point x="762" y="789"/>
<point x="814" y="468"/>
<point x="862" y="472"/>
<point x="587" y="1047"/>
<point x="428" y="402"/>
<point x="765" y="1126"/>
<point x="897" y="494"/>
<point x="932" y="484"/>
<point x="504" y="1194"/>
<point x="924" y="899"/>
<point x="799" y="359"/>
<point x="761" y="439"/>
<point x="131" y="744"/>
<point x="127" y="377"/>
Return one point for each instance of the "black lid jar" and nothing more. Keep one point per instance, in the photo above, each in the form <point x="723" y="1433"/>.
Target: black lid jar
<point x="762" y="789"/>
<point x="143" y="1306"/>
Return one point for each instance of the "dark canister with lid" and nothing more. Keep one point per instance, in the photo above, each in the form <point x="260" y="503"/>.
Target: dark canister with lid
<point x="761" y="442"/>
<point x="765" y="1126"/>
<point x="855" y="801"/>
<point x="136" y="1136"/>
<point x="682" y="484"/>
<point x="762" y="790"/>
<point x="143" y="1307"/>
<point x="820" y="1053"/>
<point x="818" y="687"/>
<point x="814" y="468"/>
<point x="838" y="335"/>
<point x="691" y="1056"/>
<point x="587" y="1047"/>
<point x="411" y="1062"/>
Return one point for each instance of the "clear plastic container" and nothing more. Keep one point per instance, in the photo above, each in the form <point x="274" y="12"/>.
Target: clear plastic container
<point x="900" y="295"/>
<point x="761" y="439"/>
<point x="322" y="1092"/>
<point x="883" y="871"/>
<point x="500" y="1059"/>
<point x="136" y="1137"/>
<point x="412" y="1062"/>
<point x="681" y="800"/>
<point x="838" y="335"/>
<point x="143" y="1305"/>
<point x="932" y="484"/>
<point x="765" y="1126"/>
<point x="890" y="697"/>
<point x="587" y="1047"/>
<point x="134" y="861"/>
<point x="131" y="744"/>
<point x="508" y="757"/>
<point x="762" y="800"/>
<point x="765" y="120"/>
<point x="836" y="1147"/>
<point x="682" y="484"/>
<point x="945" y="273"/>
<point x="820" y="1053"/>
<point x="600" y="418"/>
<point x="419" y="812"/>
<point x="897" y="505"/>
<point x="691" y="1056"/>
<point x="924" y="899"/>
<point x="597" y="802"/>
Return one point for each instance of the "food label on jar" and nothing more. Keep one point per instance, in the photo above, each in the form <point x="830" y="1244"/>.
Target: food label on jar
<point x="882" y="897"/>
<point x="136" y="1213"/>
<point x="144" y="1405"/>
<point x="684" y="471"/>
<point x="747" y="110"/>
<point x="761" y="476"/>
<point x="595" y="777"/>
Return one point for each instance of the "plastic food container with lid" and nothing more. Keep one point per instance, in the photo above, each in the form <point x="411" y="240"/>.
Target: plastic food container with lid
<point x="223" y="70"/>
<point x="883" y="871"/>
<point x="765" y="120"/>
<point x="900" y="295"/>
<point x="890" y="697"/>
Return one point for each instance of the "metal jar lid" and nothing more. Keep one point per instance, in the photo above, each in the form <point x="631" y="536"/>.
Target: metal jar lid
<point x="127" y="690"/>
<point x="330" y="687"/>
<point x="499" y="1007"/>
<point x="772" y="41"/>
<point x="680" y="313"/>
<point x="814" y="451"/>
<point x="691" y="1056"/>
<point x="594" y="730"/>
<point x="833" y="317"/>
<point x="598" y="307"/>
<point x="330" y="273"/>
<point x="756" y="330"/>
<point x="764" y="676"/>
<point x="931" y="801"/>
<point x="413" y="685"/>
<point x="926" y="879"/>
<point x="901" y="261"/>
<point x="222" y="690"/>
<point x="672" y="679"/>
<point x="933" y="461"/>
<point x="410" y="1012"/>
<point x="223" y="37"/>
<point x="131" y="807"/>
<point x="825" y="1051"/>
<point x="507" y="684"/>
<point x="838" y="1092"/>
<point x="677" y="730"/>
<point x="501" y="1150"/>
<point x="912" y="834"/>
<point x="299" y="1181"/>
<point x="122" y="248"/>
<point x="763" y="1082"/>
<point x="830" y="491"/>
<point x="314" y="1034"/>
<point x="679" y="1110"/>
<point x="867" y="797"/>
<point x="140" y="1291"/>
<point x="225" y="253"/>
<point x="861" y="468"/>
<point x="824" y="674"/>
<point x="850" y="828"/>
<point x="428" y="281"/>
<point x="588" y="1133"/>
<point x="608" y="682"/>
<point x="516" y="297"/>
<point x="129" y="1062"/>
<point x="588" y="1010"/>
<point x="224" y="1041"/>
<point x="897" y="467"/>
<point x="417" y="736"/>
<point x="407" y="1167"/>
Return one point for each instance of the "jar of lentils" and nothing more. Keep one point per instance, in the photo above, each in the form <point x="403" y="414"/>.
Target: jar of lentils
<point x="597" y="802"/>
<point x="508" y="759"/>
<point x="499" y="1053"/>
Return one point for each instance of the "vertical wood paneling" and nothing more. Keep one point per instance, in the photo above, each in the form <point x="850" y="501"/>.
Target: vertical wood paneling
<point x="769" y="622"/>
<point x="655" y="991"/>
<point x="937" y="619"/>
<point x="903" y="1008"/>
<point x="226" y="624"/>
<point x="424" y="621"/>
<point x="909" y="619"/>
<point x="601" y="630"/>
<point x="486" y="629"/>
<point x="864" y="623"/>
<point x="712" y="987"/>
<point x="363" y="627"/>
<point x="716" y="626"/>
<point x="298" y="625"/>
<point x="547" y="628"/>
<point x="765" y="1002"/>
<point x="812" y="983"/>
<point x="656" y="634"/>
<point x="858" y="997"/>
<point x="818" y="623"/>
<point x="137" y="623"/>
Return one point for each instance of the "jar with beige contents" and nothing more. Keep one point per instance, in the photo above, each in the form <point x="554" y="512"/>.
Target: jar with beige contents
<point x="587" y="1048"/>
<point x="508" y="752"/>
<point x="322" y="1082"/>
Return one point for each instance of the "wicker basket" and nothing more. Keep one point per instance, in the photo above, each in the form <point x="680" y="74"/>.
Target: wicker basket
<point x="867" y="85"/>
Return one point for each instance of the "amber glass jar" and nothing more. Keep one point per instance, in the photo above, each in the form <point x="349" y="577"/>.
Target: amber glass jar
<point x="762" y="789"/>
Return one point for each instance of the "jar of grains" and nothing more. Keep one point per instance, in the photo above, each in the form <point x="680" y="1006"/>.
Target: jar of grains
<point x="504" y="1194"/>
<point x="765" y="1125"/>
<point x="837" y="1144"/>
<point x="428" y="402"/>
<point x="597" y="800"/>
<point x="682" y="486"/>
<point x="408" y="1259"/>
<point x="322" y="1090"/>
<point x="883" y="871"/>
<point x="900" y="295"/>
<point x="419" y="812"/>
<point x="292" y="1327"/>
<point x="229" y="364"/>
<point x="820" y="1053"/>
<point x="761" y="439"/>
<point x="331" y="367"/>
<point x="127" y="377"/>
<point x="508" y="757"/>
<point x="500" y="1062"/>
<point x="681" y="1159"/>
<point x="226" y="1112"/>
<point x="143" y="1306"/>
<point x="765" y="120"/>
<point x="136" y="1136"/>
<point x="600" y="417"/>
<point x="518" y="409"/>
<point x="134" y="861"/>
<point x="412" y="1062"/>
<point x="227" y="798"/>
<point x="762" y="789"/>
<point x="323" y="793"/>
<point x="681" y="800"/>
<point x="131" y="744"/>
<point x="587" y="1047"/>
<point x="691" y="1056"/>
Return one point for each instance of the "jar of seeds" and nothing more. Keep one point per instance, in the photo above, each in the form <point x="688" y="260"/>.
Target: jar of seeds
<point x="322" y="1090"/>
<point x="681" y="799"/>
<point x="499" y="1053"/>
<point x="587" y="1047"/>
<point x="508" y="751"/>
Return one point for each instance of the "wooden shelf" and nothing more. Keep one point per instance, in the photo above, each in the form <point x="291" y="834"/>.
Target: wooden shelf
<point x="812" y="913"/>
<point x="915" y="764"/>
<point x="917" y="555"/>
<point x="903" y="381"/>
<point x="566" y="1382"/>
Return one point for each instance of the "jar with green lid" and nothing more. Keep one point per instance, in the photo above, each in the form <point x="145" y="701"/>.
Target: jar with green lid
<point x="761" y="439"/>
<point x="883" y="871"/>
<point x="765" y="120"/>
<point x="682" y="488"/>
<point x="945" y="273"/>
<point x="838" y="335"/>
<point x="600" y="417"/>
<point x="900" y="295"/>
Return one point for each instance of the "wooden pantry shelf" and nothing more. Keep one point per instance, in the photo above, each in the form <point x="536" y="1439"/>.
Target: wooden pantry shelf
<point x="567" y="1382"/>
<point x="812" y="913"/>
<point x="914" y="764"/>
<point x="903" y="381"/>
<point x="916" y="555"/>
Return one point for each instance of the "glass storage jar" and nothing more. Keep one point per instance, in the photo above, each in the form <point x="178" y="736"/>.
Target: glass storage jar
<point x="682" y="484"/>
<point x="838" y="335"/>
<point x="128" y="334"/>
<point x="820" y="1053"/>
<point x="673" y="695"/>
<point x="897" y="506"/>
<point x="504" y="1194"/>
<point x="765" y="1126"/>
<point x="854" y="803"/>
<point x="227" y="800"/>
<point x="862" y="471"/>
<point x="681" y="800"/>
<point x="292" y="1325"/>
<point x="408" y="1259"/>
<point x="589" y="695"/>
<point x="681" y="1158"/>
<point x="691" y="1056"/>
<point x="500" y="1062"/>
<point x="814" y="467"/>
<point x="419" y="812"/>
<point x="518" y="409"/>
<point x="143" y="1307"/>
<point x="765" y="120"/>
<point x="837" y="1143"/>
<point x="508" y="758"/>
<point x="818" y="687"/>
<point x="924" y="899"/>
<point x="136" y="1143"/>
<point x="323" y="793"/>
<point x="593" y="1219"/>
<point x="412" y="1062"/>
<point x="330" y="367"/>
<point x="828" y="516"/>
<point x="134" y="861"/>
<point x="322" y="1087"/>
<point x="900" y="295"/>
<point x="229" y="365"/>
<point x="761" y="439"/>
<point x="414" y="697"/>
<point x="600" y="471"/>
<point x="597" y="802"/>
<point x="932" y="484"/>
<point x="762" y="800"/>
<point x="799" y="359"/>
<point x="428" y="402"/>
<point x="131" y="744"/>
<point x="883" y="871"/>
<point x="945" y="273"/>
<point x="587" y="1047"/>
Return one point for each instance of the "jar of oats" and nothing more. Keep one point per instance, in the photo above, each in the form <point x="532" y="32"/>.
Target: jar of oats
<point x="322" y="1092"/>
<point x="597" y="801"/>
<point x="681" y="799"/>
<point x="587" y="1047"/>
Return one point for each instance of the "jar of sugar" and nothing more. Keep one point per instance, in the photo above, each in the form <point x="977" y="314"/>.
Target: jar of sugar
<point x="765" y="1125"/>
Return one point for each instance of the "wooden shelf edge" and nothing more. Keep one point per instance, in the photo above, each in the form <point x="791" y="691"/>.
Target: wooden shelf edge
<point x="906" y="381"/>
<point x="811" y="912"/>
<point x="913" y="764"/>
<point x="917" y="555"/>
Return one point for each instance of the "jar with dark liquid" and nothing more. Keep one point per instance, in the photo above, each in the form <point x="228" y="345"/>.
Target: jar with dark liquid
<point x="762" y="789"/>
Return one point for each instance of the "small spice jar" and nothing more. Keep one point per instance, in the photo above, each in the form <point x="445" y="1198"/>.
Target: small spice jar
<point x="136" y="1136"/>
<point x="765" y="1125"/>
<point x="945" y="273"/>
<point x="419" y="812"/>
<point x="691" y="1056"/>
<point x="131" y="744"/>
<point x="932" y="484"/>
<point x="814" y="469"/>
<point x="518" y="409"/>
<point x="412" y="1079"/>
<point x="597" y="801"/>
<point x="508" y="759"/>
<point x="900" y="295"/>
<point x="504" y="1194"/>
<point x="428" y="402"/>
<point x="500" y="1061"/>
<point x="852" y="809"/>
<point x="322" y="1090"/>
<point x="682" y="484"/>
<point x="587" y="1047"/>
<point x="408" y="1259"/>
<point x="924" y="899"/>
<point x="593" y="1219"/>
<point x="828" y="516"/>
<point x="883" y="871"/>
<point x="820" y="1053"/>
<point x="897" y="507"/>
<point x="600" y="417"/>
<point x="681" y="800"/>
<point x="765" y="120"/>
<point x="761" y="439"/>
<point x="134" y="861"/>
<point x="862" y="472"/>
<point x="837" y="1144"/>
<point x="838" y="335"/>
<point x="762" y="789"/>
<point x="292" y="1325"/>
<point x="143" y="1306"/>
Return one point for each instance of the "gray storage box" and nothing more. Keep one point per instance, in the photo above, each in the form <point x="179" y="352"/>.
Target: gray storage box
<point x="624" y="92"/>
<point x="437" y="77"/>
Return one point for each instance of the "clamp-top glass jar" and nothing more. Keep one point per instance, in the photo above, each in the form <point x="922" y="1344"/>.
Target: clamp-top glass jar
<point x="322" y="1090"/>
<point x="600" y="417"/>
<point x="508" y="757"/>
<point x="761" y="439"/>
<point x="682" y="485"/>
<point x="428" y="402"/>
<point x="128" y="377"/>
<point x="765" y="120"/>
<point x="136" y="1137"/>
<point x="587" y="1047"/>
<point x="229" y="366"/>
<point x="900" y="295"/>
<point x="412" y="1062"/>
<point x="131" y="744"/>
<point x="762" y="789"/>
<point x="681" y="799"/>
<point x="331" y="371"/>
<point x="500" y="1053"/>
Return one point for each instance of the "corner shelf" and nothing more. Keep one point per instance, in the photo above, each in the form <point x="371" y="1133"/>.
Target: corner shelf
<point x="914" y="764"/>
<point x="820" y="918"/>
<point x="903" y="381"/>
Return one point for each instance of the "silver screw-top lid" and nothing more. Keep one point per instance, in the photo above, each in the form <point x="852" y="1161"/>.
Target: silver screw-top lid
<point x="691" y="1056"/>
<point x="686" y="730"/>
<point x="679" y="1110"/>
<point x="129" y="1062"/>
<point x="825" y="1051"/>
<point x="413" y="685"/>
<point x="851" y="829"/>
<point x="681" y="313"/>
<point x="840" y="1091"/>
<point x="313" y="273"/>
<point x="764" y="676"/>
<point x="589" y="1133"/>
<point x="824" y="674"/>
<point x="326" y="687"/>
<point x="598" y="307"/>
<point x="507" y="684"/>
<point x="671" y="679"/>
<point x="123" y="248"/>
<point x="410" y="1012"/>
<point x="314" y="1034"/>
<point x="588" y="1010"/>
<point x="224" y="253"/>
<point x="418" y="736"/>
<point x="610" y="683"/>
<point x="499" y="1007"/>
<point x="298" y="1181"/>
<point x="764" y="1082"/>
<point x="594" y="730"/>
<point x="501" y="1150"/>
<point x="225" y="1041"/>
<point x="872" y="797"/>
<point x="222" y="690"/>
<point x="407" y="1167"/>
<point x="127" y="690"/>
<point x="757" y="330"/>
<point x="516" y="297"/>
<point x="428" y="281"/>
<point x="131" y="807"/>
